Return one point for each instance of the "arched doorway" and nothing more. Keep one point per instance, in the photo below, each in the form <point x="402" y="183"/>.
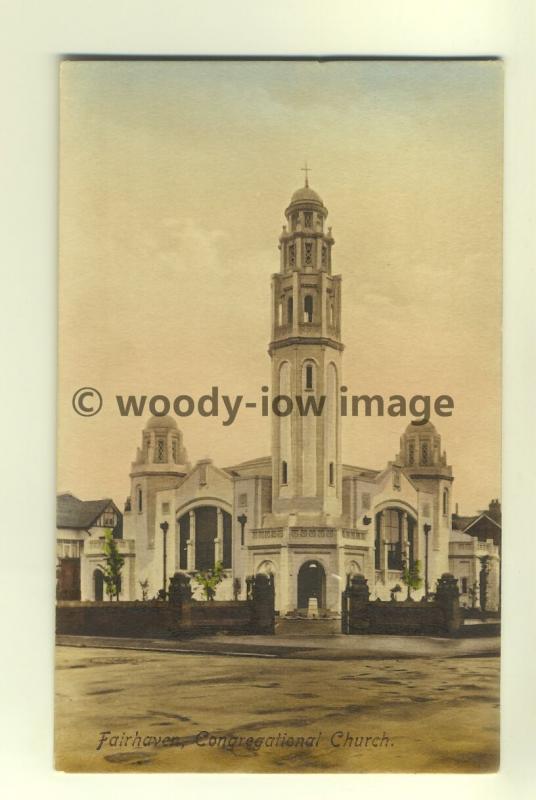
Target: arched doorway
<point x="266" y="568"/>
<point x="311" y="583"/>
<point x="98" y="582"/>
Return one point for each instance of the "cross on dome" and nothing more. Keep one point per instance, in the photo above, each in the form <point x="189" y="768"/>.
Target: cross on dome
<point x="307" y="170"/>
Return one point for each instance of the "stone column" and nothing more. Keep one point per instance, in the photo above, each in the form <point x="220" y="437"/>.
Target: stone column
<point x="404" y="541"/>
<point x="341" y="572"/>
<point x="296" y="309"/>
<point x="382" y="545"/>
<point x="218" y="542"/>
<point x="191" y="543"/>
<point x="282" y="587"/>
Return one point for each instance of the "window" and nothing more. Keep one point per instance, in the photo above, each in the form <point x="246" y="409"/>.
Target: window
<point x="242" y="500"/>
<point x="331" y="473"/>
<point x="290" y="308"/>
<point x="284" y="473"/>
<point x="463" y="587"/>
<point x="365" y="501"/>
<point x="308" y="308"/>
<point x="108" y="519"/>
<point x="324" y="255"/>
<point x="331" y="314"/>
<point x="295" y="218"/>
<point x="160" y="450"/>
<point x="139" y="495"/>
<point x="292" y="255"/>
<point x="308" y="257"/>
<point x="308" y="376"/>
<point x="445" y="501"/>
<point x="411" y="453"/>
<point x="308" y="218"/>
<point x="393" y="556"/>
<point x="424" y="453"/>
<point x="280" y="314"/>
<point x="165" y="508"/>
<point x="147" y="447"/>
<point x="174" y="451"/>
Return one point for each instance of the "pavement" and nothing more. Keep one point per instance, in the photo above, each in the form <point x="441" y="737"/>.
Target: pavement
<point x="334" y="647"/>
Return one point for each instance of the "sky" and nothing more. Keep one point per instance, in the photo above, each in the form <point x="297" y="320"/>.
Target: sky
<point x="174" y="178"/>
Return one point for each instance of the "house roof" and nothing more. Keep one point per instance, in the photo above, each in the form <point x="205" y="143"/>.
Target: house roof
<point x="481" y="526"/>
<point x="461" y="523"/>
<point x="74" y="513"/>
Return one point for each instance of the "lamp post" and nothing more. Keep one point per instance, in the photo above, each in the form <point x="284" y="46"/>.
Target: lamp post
<point x="427" y="529"/>
<point x="242" y="519"/>
<point x="164" y="526"/>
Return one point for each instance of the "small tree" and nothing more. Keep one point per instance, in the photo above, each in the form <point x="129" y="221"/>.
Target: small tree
<point x="473" y="594"/>
<point x="144" y="585"/>
<point x="209" y="579"/>
<point x="411" y="576"/>
<point x="113" y="564"/>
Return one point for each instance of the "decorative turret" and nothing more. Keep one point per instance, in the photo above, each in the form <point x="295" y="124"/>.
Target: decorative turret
<point x="162" y="445"/>
<point x="420" y="451"/>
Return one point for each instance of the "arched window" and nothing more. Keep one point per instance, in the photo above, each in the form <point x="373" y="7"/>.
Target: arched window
<point x="280" y="314"/>
<point x="411" y="453"/>
<point x="98" y="585"/>
<point x="290" y="309"/>
<point x="388" y="541"/>
<point x="445" y="501"/>
<point x="309" y="376"/>
<point x="331" y="473"/>
<point x="308" y="308"/>
<point x="139" y="498"/>
<point x="425" y="453"/>
<point x="292" y="255"/>
<point x="284" y="473"/>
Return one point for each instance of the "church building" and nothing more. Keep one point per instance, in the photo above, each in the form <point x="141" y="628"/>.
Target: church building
<point x="299" y="513"/>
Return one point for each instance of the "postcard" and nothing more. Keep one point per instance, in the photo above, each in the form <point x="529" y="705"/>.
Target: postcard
<point x="278" y="542"/>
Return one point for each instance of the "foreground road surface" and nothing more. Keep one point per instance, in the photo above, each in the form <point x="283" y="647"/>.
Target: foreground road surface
<point x="125" y="710"/>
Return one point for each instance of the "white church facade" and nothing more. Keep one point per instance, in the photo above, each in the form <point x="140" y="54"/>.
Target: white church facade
<point x="300" y="513"/>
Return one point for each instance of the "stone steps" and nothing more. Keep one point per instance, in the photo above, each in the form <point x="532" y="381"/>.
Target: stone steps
<point x="296" y="626"/>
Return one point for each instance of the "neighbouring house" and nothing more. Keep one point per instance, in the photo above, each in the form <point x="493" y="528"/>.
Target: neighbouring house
<point x="80" y="532"/>
<point x="475" y="557"/>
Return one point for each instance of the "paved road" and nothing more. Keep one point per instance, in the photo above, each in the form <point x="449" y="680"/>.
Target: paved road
<point x="297" y="714"/>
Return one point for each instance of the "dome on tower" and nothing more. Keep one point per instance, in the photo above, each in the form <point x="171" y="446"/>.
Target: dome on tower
<point x="418" y="427"/>
<point x="161" y="422"/>
<point x="306" y="195"/>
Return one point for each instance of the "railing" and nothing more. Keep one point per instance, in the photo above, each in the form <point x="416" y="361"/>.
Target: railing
<point x="300" y="533"/>
<point x="311" y="533"/>
<point x="352" y="533"/>
<point x="487" y="547"/>
<point x="464" y="547"/>
<point x="97" y="545"/>
<point x="267" y="533"/>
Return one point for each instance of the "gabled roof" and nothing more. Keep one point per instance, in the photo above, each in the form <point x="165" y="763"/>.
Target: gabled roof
<point x="465" y="523"/>
<point x="74" y="513"/>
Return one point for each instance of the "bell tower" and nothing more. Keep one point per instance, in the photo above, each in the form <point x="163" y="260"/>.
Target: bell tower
<point x="306" y="351"/>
